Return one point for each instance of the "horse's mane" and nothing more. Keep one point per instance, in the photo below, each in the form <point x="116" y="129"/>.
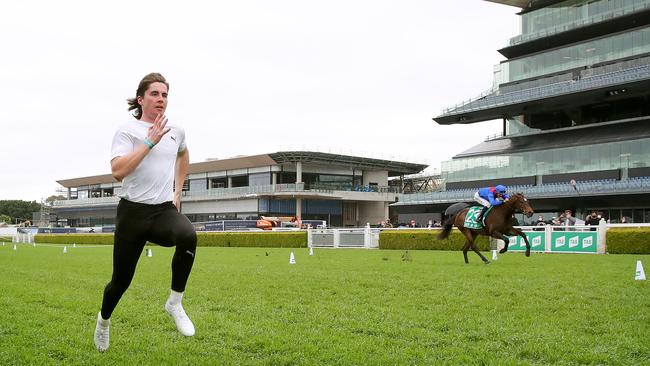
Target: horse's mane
<point x="514" y="199"/>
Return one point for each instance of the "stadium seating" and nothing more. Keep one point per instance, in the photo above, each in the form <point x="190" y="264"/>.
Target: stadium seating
<point x="564" y="87"/>
<point x="563" y="189"/>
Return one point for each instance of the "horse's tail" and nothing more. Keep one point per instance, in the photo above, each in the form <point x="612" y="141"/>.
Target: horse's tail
<point x="446" y="227"/>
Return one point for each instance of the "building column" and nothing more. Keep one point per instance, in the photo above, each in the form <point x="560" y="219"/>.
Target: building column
<point x="356" y="213"/>
<point x="299" y="208"/>
<point x="229" y="182"/>
<point x="274" y="178"/>
<point x="299" y="172"/>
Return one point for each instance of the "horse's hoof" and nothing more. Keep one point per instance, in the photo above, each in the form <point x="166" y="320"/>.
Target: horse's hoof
<point x="486" y="262"/>
<point x="503" y="250"/>
<point x="527" y="253"/>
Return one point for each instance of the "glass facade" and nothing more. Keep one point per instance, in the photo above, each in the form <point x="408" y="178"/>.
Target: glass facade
<point x="571" y="14"/>
<point x="633" y="43"/>
<point x="613" y="155"/>
<point x="516" y="126"/>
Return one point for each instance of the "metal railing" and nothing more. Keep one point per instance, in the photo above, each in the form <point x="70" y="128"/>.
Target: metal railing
<point x="614" y="13"/>
<point x="87" y="201"/>
<point x="243" y="192"/>
<point x="544" y="91"/>
<point x="590" y="188"/>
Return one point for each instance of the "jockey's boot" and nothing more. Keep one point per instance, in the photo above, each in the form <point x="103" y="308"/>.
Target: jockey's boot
<point x="479" y="218"/>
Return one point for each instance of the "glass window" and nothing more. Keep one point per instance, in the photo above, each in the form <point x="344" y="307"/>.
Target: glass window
<point x="588" y="53"/>
<point x="570" y="14"/>
<point x="565" y="160"/>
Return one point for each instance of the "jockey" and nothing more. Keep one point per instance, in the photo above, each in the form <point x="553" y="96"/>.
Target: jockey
<point x="490" y="196"/>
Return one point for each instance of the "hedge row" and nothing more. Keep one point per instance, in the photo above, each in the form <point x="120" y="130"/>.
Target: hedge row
<point x="427" y="240"/>
<point x="293" y="239"/>
<point x="619" y="240"/>
<point x="74" y="238"/>
<point x="628" y="240"/>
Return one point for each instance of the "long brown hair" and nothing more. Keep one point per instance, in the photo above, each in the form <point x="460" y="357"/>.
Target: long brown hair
<point x="154" y="77"/>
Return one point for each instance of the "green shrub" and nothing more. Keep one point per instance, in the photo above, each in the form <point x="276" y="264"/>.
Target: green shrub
<point x="628" y="240"/>
<point x="293" y="239"/>
<point x="426" y="240"/>
<point x="74" y="238"/>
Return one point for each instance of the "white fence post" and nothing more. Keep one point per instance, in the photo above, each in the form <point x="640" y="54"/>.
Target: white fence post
<point x="310" y="239"/>
<point x="337" y="238"/>
<point x="602" y="237"/>
<point x="548" y="231"/>
<point x="366" y="237"/>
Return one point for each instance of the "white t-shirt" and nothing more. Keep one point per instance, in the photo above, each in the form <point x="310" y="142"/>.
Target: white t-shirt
<point x="152" y="182"/>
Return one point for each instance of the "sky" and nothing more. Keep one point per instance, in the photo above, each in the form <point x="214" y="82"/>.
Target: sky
<point x="352" y="77"/>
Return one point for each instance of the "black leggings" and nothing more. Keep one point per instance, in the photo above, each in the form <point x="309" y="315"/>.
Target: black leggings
<point x="138" y="223"/>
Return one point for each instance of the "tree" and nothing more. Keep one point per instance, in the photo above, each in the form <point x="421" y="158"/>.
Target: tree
<point x="53" y="198"/>
<point x="5" y="218"/>
<point x="19" y="210"/>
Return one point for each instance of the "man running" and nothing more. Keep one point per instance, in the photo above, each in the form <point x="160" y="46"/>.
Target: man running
<point x="148" y="156"/>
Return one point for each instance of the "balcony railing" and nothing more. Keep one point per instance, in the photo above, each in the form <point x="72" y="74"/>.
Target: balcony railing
<point x="545" y="91"/>
<point x="244" y="192"/>
<point x="552" y="190"/>
<point x="613" y="13"/>
<point x="247" y="190"/>
<point x="87" y="201"/>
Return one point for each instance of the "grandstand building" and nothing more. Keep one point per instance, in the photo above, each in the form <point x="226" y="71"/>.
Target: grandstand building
<point x="574" y="98"/>
<point x="342" y="190"/>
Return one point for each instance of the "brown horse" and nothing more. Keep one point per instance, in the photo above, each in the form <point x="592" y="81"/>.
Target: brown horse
<point x="498" y="224"/>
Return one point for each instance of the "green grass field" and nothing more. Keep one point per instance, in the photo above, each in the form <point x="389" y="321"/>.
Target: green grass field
<point x="339" y="307"/>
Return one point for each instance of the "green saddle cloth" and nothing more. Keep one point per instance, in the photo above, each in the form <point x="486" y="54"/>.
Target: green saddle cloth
<point x="472" y="214"/>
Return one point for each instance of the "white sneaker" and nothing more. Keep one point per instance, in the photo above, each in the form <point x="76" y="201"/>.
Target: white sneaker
<point x="183" y="322"/>
<point x="101" y="333"/>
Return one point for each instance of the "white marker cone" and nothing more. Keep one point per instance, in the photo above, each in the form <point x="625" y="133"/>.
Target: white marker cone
<point x="311" y="251"/>
<point x="292" y="259"/>
<point x="149" y="252"/>
<point x="14" y="246"/>
<point x="74" y="245"/>
<point x="3" y="243"/>
<point x="494" y="255"/>
<point x="65" y="250"/>
<point x="640" y="274"/>
<point x="34" y="244"/>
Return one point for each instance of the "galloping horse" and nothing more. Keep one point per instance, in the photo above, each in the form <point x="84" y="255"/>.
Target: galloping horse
<point x="497" y="223"/>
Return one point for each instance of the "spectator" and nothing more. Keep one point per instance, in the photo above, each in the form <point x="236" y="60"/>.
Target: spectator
<point x="568" y="219"/>
<point x="539" y="222"/>
<point x="514" y="220"/>
<point x="592" y="219"/>
<point x="625" y="220"/>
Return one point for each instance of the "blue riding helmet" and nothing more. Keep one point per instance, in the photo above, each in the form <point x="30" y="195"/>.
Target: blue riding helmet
<point x="500" y="188"/>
